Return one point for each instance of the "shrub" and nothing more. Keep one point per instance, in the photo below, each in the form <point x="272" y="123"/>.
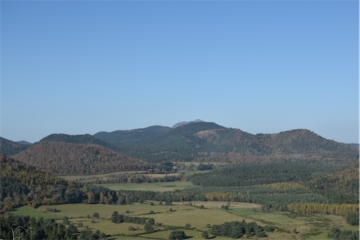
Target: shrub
<point x="268" y="228"/>
<point x="177" y="234"/>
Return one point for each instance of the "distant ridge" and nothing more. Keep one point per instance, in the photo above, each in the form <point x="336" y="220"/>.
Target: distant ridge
<point x="184" y="123"/>
<point x="24" y="142"/>
<point x="10" y="148"/>
<point x="121" y="136"/>
<point x="78" y="139"/>
<point x="211" y="142"/>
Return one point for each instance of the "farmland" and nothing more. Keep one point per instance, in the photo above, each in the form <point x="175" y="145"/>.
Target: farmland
<point x="179" y="214"/>
<point x="156" y="187"/>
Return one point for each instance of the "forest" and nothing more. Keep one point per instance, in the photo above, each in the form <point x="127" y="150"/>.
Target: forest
<point x="29" y="228"/>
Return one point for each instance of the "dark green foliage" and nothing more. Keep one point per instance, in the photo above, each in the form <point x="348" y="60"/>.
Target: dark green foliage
<point x="353" y="219"/>
<point x="253" y="174"/>
<point x="96" y="215"/>
<point x="268" y="228"/>
<point x="79" y="139"/>
<point x="205" y="235"/>
<point x="177" y="144"/>
<point x="29" y="228"/>
<point x="148" y="227"/>
<point x="188" y="226"/>
<point x="119" y="137"/>
<point x="238" y="229"/>
<point x="225" y="207"/>
<point x="177" y="235"/>
<point x="10" y="148"/>
<point x="198" y="140"/>
<point x="10" y="185"/>
<point x="341" y="186"/>
<point x="202" y="167"/>
<point x="337" y="234"/>
<point x="119" y="218"/>
<point x="66" y="220"/>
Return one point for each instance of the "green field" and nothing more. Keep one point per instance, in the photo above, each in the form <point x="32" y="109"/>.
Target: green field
<point x="312" y="226"/>
<point x="106" y="176"/>
<point x="87" y="178"/>
<point x="156" y="187"/>
<point x="36" y="213"/>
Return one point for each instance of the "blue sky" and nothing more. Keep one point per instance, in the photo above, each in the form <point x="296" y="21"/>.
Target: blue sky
<point x="79" y="67"/>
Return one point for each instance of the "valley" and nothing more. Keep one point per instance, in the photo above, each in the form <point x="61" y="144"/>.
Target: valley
<point x="198" y="178"/>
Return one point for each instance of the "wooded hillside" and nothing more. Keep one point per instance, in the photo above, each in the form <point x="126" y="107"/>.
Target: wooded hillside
<point x="78" y="159"/>
<point x="8" y="147"/>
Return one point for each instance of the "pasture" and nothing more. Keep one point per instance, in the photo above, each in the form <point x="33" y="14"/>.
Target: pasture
<point x="107" y="226"/>
<point x="36" y="213"/>
<point x="156" y="187"/>
<point x="102" y="176"/>
<point x="106" y="176"/>
<point x="312" y="226"/>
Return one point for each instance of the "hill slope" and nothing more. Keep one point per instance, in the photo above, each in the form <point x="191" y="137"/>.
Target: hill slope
<point x="180" y="144"/>
<point x="8" y="147"/>
<point x="120" y="136"/>
<point x="209" y="141"/>
<point x="76" y="159"/>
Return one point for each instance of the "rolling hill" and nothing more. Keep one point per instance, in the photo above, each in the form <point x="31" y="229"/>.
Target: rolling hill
<point x="211" y="142"/>
<point x="78" y="139"/>
<point x="78" y="159"/>
<point x="9" y="147"/>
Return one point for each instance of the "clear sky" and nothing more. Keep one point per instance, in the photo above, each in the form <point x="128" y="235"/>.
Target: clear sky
<point x="79" y="67"/>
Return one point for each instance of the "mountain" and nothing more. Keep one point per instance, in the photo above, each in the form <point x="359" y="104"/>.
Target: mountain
<point x="78" y="159"/>
<point x="9" y="147"/>
<point x="24" y="142"/>
<point x="212" y="142"/>
<point x="78" y="139"/>
<point x="121" y="136"/>
<point x="180" y="143"/>
<point x="184" y="123"/>
<point x="300" y="141"/>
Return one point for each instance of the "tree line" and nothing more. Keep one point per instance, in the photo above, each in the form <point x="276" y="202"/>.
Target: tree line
<point x="29" y="228"/>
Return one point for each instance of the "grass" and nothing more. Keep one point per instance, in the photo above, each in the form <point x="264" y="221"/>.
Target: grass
<point x="108" y="227"/>
<point x="165" y="234"/>
<point x="36" y="213"/>
<point x="311" y="226"/>
<point x="196" y="217"/>
<point x="105" y="176"/>
<point x="156" y="187"/>
<point x="86" y="178"/>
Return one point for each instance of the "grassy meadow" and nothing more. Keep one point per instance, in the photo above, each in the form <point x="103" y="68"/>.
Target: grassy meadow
<point x="156" y="187"/>
<point x="102" y="176"/>
<point x="312" y="226"/>
<point x="36" y="213"/>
